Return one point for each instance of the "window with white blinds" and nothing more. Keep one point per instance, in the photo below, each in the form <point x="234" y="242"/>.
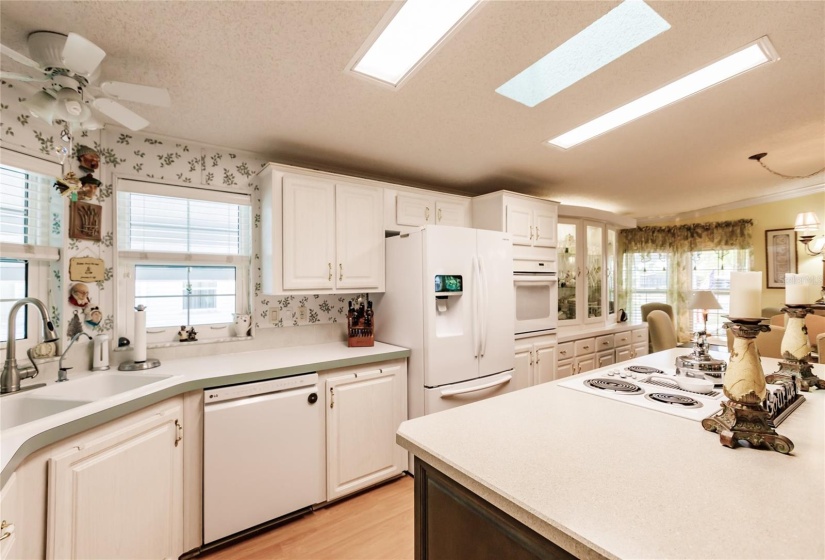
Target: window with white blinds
<point x="27" y="204"/>
<point x="24" y="206"/>
<point x="155" y="219"/>
<point x="184" y="255"/>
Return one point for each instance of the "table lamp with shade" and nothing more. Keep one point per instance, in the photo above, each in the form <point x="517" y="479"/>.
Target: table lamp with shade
<point x="700" y="363"/>
<point x="807" y="225"/>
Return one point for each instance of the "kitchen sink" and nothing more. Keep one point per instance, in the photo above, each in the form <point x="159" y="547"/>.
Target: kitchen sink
<point x="16" y="411"/>
<point x="100" y="386"/>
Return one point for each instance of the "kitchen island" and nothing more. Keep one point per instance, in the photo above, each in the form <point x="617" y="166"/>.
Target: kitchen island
<point x="600" y="478"/>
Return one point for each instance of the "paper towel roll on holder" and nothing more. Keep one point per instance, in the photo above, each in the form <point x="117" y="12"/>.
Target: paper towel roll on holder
<point x="139" y="345"/>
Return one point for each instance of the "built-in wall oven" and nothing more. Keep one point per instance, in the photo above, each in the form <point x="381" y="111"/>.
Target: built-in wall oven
<point x="536" y="296"/>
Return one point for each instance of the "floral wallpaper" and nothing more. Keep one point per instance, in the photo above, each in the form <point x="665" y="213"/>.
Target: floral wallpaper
<point x="161" y="158"/>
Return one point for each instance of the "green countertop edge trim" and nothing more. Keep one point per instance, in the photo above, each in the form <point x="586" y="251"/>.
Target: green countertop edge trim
<point x="74" y="427"/>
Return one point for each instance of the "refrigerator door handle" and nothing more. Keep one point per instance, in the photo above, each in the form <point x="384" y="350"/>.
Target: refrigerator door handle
<point x="453" y="392"/>
<point x="482" y="273"/>
<point x="476" y="327"/>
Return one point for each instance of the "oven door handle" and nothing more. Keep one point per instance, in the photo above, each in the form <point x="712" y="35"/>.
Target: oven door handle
<point x="453" y="392"/>
<point x="535" y="280"/>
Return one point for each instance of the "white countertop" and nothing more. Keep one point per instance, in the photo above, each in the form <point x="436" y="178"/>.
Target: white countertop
<point x="603" y="478"/>
<point x="187" y="375"/>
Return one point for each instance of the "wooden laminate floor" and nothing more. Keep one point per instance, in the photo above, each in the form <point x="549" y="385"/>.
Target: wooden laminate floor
<point x="375" y="525"/>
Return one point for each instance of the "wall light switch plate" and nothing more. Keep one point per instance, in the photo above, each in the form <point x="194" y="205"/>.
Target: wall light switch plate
<point x="302" y="314"/>
<point x="274" y="315"/>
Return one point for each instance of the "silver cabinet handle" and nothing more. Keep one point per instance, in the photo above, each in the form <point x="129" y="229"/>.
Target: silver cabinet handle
<point x="537" y="233"/>
<point x="329" y="278"/>
<point x="427" y="213"/>
<point x="531" y="232"/>
<point x="438" y="215"/>
<point x="340" y="271"/>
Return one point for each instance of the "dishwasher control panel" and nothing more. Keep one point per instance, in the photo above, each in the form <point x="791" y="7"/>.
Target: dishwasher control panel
<point x="251" y="389"/>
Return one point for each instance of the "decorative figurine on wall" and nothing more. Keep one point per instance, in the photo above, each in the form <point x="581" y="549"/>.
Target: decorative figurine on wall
<point x="192" y="336"/>
<point x="85" y="220"/>
<point x="75" y="326"/>
<point x="79" y="295"/>
<point x="68" y="185"/>
<point x="88" y="187"/>
<point x="183" y="336"/>
<point x="88" y="158"/>
<point x="93" y="315"/>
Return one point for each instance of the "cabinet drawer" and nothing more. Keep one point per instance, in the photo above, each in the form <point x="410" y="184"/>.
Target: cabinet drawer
<point x="621" y="339"/>
<point x="639" y="335"/>
<point x="565" y="351"/>
<point x="604" y="342"/>
<point x="605" y="358"/>
<point x="585" y="346"/>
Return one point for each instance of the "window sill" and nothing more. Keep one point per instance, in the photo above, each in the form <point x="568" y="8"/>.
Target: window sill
<point x="153" y="345"/>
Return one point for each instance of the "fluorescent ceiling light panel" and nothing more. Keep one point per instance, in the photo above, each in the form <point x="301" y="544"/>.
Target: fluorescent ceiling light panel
<point x="414" y="31"/>
<point x="747" y="58"/>
<point x="618" y="32"/>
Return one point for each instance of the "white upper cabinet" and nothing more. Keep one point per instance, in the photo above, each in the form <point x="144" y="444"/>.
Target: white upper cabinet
<point x="319" y="233"/>
<point x="410" y="209"/>
<point x="530" y="221"/>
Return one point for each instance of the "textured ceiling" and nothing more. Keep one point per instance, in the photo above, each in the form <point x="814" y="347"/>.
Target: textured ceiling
<point x="270" y="77"/>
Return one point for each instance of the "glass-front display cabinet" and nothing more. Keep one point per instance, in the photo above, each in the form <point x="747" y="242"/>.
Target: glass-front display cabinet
<point x="587" y="272"/>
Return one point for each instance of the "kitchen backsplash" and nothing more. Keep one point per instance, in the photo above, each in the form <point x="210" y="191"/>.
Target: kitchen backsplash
<point x="136" y="155"/>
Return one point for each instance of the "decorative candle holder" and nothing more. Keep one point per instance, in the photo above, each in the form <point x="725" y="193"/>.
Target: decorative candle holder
<point x="743" y="417"/>
<point x="796" y="351"/>
<point x="700" y="361"/>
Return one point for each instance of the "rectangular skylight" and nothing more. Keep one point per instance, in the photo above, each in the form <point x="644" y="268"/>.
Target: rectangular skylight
<point x="618" y="32"/>
<point x="414" y="31"/>
<point x="747" y="58"/>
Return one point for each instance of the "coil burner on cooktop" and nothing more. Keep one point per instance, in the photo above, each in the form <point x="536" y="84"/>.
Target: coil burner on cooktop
<point x="615" y="385"/>
<point x="678" y="400"/>
<point x="643" y="369"/>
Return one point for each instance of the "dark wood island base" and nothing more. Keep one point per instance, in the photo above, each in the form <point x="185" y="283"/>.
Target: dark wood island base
<point x="453" y="523"/>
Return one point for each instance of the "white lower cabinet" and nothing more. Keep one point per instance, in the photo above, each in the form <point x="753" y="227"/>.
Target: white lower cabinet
<point x="119" y="494"/>
<point x="589" y="352"/>
<point x="9" y="511"/>
<point x="364" y="409"/>
<point x="536" y="359"/>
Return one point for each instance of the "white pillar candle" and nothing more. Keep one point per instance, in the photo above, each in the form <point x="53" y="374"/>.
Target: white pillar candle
<point x="797" y="290"/>
<point x="745" y="295"/>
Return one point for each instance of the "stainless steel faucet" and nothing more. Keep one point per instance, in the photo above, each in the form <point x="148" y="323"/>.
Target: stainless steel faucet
<point x="63" y="372"/>
<point x="12" y="374"/>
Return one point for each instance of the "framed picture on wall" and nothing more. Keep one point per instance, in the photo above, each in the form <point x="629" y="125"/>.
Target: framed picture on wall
<point x="780" y="256"/>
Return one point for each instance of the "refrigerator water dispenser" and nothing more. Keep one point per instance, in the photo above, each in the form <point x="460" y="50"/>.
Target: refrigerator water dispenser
<point x="447" y="304"/>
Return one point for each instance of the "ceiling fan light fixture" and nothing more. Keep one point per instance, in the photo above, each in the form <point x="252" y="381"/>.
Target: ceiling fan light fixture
<point x="42" y="105"/>
<point x="92" y="123"/>
<point x="747" y="58"/>
<point x="70" y="106"/>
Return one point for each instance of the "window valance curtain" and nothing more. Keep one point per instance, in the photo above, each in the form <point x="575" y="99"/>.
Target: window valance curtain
<point x="682" y="238"/>
<point x="681" y="247"/>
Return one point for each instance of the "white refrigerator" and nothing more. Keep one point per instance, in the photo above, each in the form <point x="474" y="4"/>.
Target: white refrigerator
<point x="449" y="299"/>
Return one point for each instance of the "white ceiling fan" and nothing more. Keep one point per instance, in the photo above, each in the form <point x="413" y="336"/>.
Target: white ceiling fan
<point x="70" y="66"/>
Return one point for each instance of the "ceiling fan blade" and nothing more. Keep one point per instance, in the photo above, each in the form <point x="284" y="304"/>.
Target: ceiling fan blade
<point x="121" y="114"/>
<point x="134" y="92"/>
<point x="14" y="55"/>
<point x="22" y="77"/>
<point x="80" y="55"/>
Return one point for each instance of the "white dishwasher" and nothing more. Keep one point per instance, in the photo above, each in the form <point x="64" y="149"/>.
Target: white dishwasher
<point x="263" y="453"/>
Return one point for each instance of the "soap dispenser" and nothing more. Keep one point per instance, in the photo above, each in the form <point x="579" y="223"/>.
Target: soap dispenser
<point x="100" y="358"/>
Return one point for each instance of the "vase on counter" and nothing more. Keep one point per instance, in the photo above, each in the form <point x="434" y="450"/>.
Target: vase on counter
<point x="242" y="325"/>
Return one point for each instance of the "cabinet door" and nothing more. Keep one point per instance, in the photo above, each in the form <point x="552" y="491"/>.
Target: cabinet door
<point x="309" y="233"/>
<point x="585" y="363"/>
<point x="519" y="224"/>
<point x="569" y="273"/>
<point x="623" y="353"/>
<point x="359" y="237"/>
<point x="606" y="358"/>
<point x="545" y="365"/>
<point x="449" y="213"/>
<point x="413" y="210"/>
<point x="10" y="513"/>
<point x="564" y="368"/>
<point x="545" y="222"/>
<point x="120" y="495"/>
<point x="364" y="411"/>
<point x="594" y="273"/>
<point x="640" y="349"/>
<point x="523" y="365"/>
